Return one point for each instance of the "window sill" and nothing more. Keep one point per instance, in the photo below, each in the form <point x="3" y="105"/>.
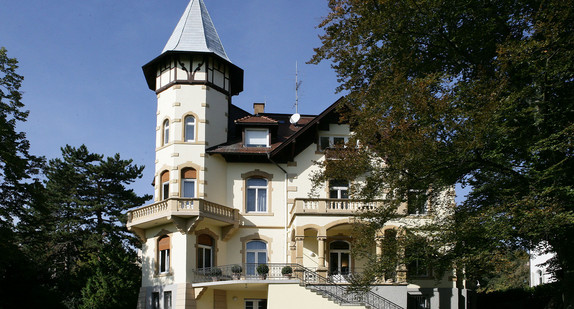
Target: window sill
<point x="166" y="274"/>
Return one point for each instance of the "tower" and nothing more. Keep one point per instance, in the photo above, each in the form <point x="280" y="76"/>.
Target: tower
<point x="194" y="81"/>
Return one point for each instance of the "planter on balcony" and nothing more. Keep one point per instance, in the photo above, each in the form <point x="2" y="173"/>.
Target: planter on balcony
<point x="262" y="270"/>
<point x="236" y="272"/>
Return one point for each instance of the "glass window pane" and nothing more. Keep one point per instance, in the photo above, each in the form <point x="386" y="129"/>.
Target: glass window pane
<point x="257" y="182"/>
<point x="188" y="188"/>
<point x="262" y="200"/>
<point x="256" y="245"/>
<point x="208" y="258"/>
<point x="167" y="300"/>
<point x="250" y="199"/>
<point x="324" y="142"/>
<point x="261" y="257"/>
<point x="256" y="137"/>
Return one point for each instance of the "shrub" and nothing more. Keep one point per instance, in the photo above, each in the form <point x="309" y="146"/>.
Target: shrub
<point x="262" y="269"/>
<point x="286" y="270"/>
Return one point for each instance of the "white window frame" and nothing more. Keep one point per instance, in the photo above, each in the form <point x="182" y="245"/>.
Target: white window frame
<point x="165" y="190"/>
<point x="165" y="137"/>
<point x="255" y="303"/>
<point x="191" y="126"/>
<point x="193" y="184"/>
<point x="258" y="189"/>
<point x="164" y="261"/>
<point x="339" y="190"/>
<point x="331" y="141"/>
<point x="258" y="139"/>
<point x="203" y="249"/>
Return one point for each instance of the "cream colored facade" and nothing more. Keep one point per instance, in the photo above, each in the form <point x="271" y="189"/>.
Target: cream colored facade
<point x="221" y="202"/>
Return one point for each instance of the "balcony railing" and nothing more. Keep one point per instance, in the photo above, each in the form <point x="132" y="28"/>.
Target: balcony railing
<point x="334" y="206"/>
<point x="306" y="277"/>
<point x="182" y="207"/>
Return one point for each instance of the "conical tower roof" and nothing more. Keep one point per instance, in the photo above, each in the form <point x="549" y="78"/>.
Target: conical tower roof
<point x="195" y="32"/>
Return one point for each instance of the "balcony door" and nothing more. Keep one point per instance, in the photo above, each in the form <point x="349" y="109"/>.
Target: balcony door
<point x="339" y="258"/>
<point x="255" y="254"/>
<point x="204" y="251"/>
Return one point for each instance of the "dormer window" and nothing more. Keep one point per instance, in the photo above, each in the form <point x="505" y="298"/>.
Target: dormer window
<point x="256" y="137"/>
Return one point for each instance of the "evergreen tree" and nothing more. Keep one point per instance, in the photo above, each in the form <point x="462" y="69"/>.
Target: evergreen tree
<point x="81" y="231"/>
<point x="473" y="92"/>
<point x="20" y="279"/>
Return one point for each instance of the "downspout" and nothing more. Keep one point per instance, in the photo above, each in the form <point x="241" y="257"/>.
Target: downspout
<point x="286" y="251"/>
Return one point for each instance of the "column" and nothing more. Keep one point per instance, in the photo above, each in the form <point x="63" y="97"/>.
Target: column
<point x="299" y="244"/>
<point x="321" y="241"/>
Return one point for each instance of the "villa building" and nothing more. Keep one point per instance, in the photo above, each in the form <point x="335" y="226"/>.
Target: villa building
<point x="232" y="194"/>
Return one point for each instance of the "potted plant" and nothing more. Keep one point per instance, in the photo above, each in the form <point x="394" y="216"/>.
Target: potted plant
<point x="236" y="271"/>
<point x="262" y="270"/>
<point x="215" y="273"/>
<point x="287" y="271"/>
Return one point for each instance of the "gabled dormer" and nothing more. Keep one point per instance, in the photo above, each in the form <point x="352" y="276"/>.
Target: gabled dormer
<point x="257" y="130"/>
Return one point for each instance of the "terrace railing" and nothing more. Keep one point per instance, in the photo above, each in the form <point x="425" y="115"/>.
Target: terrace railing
<point x="338" y="293"/>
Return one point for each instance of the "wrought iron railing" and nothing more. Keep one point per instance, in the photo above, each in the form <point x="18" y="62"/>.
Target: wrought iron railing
<point x="310" y="279"/>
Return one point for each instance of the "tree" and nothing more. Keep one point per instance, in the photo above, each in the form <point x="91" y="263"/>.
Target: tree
<point x="20" y="279"/>
<point x="17" y="166"/>
<point x="81" y="231"/>
<point x="478" y="93"/>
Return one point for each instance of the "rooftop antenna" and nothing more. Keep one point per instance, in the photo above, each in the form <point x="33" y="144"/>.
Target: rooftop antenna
<point x="295" y="117"/>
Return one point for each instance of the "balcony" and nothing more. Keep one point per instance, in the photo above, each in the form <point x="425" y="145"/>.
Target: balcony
<point x="184" y="212"/>
<point x="333" y="206"/>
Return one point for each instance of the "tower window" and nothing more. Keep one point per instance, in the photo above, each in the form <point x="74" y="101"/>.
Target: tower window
<point x="163" y="245"/>
<point x="164" y="185"/>
<point x="188" y="181"/>
<point x="165" y="138"/>
<point x="189" y="127"/>
<point x="256" y="138"/>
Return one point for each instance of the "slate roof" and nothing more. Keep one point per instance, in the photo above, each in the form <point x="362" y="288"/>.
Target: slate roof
<point x="195" y="32"/>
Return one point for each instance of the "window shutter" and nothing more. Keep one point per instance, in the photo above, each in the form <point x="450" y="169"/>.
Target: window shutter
<point x="204" y="239"/>
<point x="163" y="243"/>
<point x="164" y="177"/>
<point x="189" y="173"/>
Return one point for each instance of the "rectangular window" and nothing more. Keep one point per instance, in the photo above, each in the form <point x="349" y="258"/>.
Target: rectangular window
<point x="188" y="187"/>
<point x="165" y="190"/>
<point x="164" y="261"/>
<point x="256" y="195"/>
<point x="417" y="202"/>
<point x="326" y="142"/>
<point x="256" y="304"/>
<point x="155" y="300"/>
<point x="167" y="300"/>
<point x="256" y="138"/>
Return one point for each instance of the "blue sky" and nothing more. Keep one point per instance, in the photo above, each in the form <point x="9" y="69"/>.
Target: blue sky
<point x="81" y="62"/>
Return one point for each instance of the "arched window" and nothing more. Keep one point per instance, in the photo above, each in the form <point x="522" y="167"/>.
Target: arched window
<point x="256" y="195"/>
<point x="205" y="250"/>
<point x="163" y="248"/>
<point x="164" y="191"/>
<point x="188" y="181"/>
<point x="165" y="138"/>
<point x="339" y="258"/>
<point x="189" y="128"/>
<point x="255" y="254"/>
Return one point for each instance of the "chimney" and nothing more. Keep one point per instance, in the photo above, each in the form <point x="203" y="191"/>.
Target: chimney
<point x="258" y="108"/>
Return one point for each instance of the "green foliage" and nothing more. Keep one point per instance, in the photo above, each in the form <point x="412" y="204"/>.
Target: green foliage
<point x="478" y="93"/>
<point x="236" y="269"/>
<point x="262" y="269"/>
<point x="80" y="230"/>
<point x="286" y="270"/>
<point x="17" y="167"/>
